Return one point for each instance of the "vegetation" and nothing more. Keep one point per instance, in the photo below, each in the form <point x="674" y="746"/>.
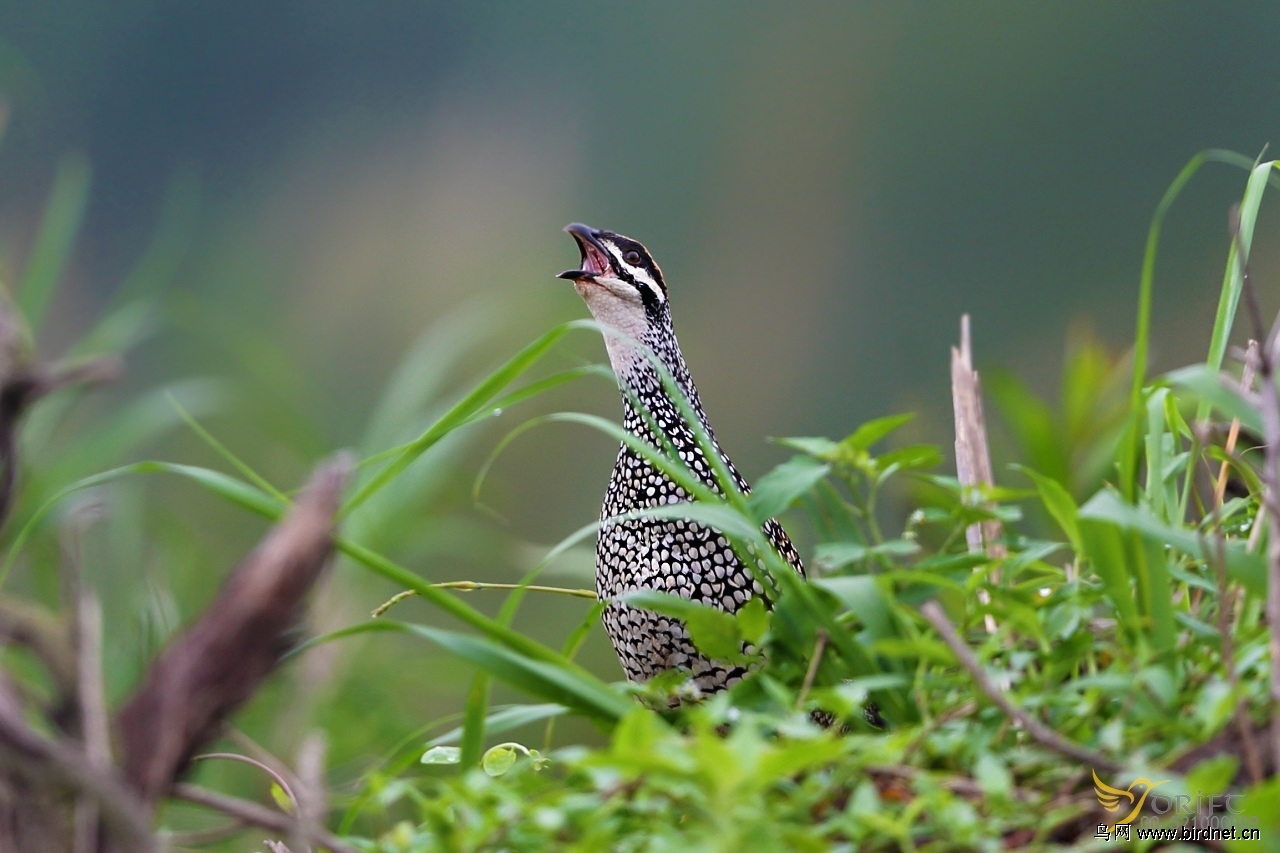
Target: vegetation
<point x="1099" y="613"/>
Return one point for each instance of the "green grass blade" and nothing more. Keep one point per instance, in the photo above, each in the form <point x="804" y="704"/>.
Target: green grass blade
<point x="58" y="228"/>
<point x="222" y="450"/>
<point x="463" y="410"/>
<point x="1233" y="280"/>
<point x="225" y="486"/>
<point x="1128" y="461"/>
<point x="550" y="680"/>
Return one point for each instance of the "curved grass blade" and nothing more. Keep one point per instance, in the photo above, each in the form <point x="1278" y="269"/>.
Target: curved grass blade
<point x="463" y="410"/>
<point x="58" y="228"/>
<point x="562" y="683"/>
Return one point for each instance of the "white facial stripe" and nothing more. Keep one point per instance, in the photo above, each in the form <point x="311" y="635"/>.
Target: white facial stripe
<point x="635" y="272"/>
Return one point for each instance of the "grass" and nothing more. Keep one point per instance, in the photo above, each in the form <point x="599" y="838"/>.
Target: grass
<point x="1122" y="623"/>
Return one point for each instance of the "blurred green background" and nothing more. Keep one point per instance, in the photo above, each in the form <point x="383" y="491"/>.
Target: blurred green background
<point x="827" y="186"/>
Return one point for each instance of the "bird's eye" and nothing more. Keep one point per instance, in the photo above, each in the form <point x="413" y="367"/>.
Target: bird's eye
<point x="632" y="257"/>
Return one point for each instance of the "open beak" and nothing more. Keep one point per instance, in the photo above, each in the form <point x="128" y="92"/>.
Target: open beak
<point x="595" y="260"/>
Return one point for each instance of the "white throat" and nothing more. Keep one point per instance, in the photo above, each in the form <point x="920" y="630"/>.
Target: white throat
<point x="621" y="314"/>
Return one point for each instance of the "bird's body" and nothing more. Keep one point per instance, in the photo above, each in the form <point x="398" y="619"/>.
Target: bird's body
<point x="625" y="291"/>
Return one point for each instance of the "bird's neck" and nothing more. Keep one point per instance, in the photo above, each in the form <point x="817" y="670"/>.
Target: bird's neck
<point x="640" y="378"/>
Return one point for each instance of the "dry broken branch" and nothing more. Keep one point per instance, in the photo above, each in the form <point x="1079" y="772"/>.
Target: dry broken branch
<point x="218" y="663"/>
<point x="973" y="457"/>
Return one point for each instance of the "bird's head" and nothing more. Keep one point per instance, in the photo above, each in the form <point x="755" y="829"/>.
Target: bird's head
<point x="621" y="284"/>
<point x="617" y="267"/>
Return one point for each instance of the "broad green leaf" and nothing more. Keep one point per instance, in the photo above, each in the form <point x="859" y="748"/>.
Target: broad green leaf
<point x="715" y="632"/>
<point x="753" y="621"/>
<point x="797" y="756"/>
<point x="833" y="556"/>
<point x="777" y="490"/>
<point x="861" y="439"/>
<point x="863" y="597"/>
<point x="992" y="775"/>
<point x="819" y="448"/>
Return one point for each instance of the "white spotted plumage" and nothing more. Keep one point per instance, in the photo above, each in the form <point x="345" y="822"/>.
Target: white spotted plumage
<point x="667" y="555"/>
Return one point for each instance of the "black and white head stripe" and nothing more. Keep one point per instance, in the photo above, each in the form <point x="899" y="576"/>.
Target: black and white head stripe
<point x="607" y="254"/>
<point x="632" y="263"/>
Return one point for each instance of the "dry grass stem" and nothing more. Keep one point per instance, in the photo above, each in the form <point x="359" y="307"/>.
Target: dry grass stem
<point x="973" y="458"/>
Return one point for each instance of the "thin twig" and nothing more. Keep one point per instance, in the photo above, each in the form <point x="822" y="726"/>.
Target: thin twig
<point x="251" y="813"/>
<point x="278" y="778"/>
<point x="1233" y="434"/>
<point x="816" y="658"/>
<point x="94" y="721"/>
<point x="1041" y="733"/>
<point x="1241" y="714"/>
<point x="311" y="793"/>
<point x="962" y="785"/>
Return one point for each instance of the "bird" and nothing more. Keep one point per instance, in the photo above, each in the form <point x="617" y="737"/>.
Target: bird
<point x="625" y="291"/>
<point x="1110" y="798"/>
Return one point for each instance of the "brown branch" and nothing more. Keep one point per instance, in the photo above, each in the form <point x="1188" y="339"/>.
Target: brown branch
<point x="311" y="792"/>
<point x="22" y="385"/>
<point x="58" y="764"/>
<point x="218" y="663"/>
<point x="249" y="812"/>
<point x="932" y="611"/>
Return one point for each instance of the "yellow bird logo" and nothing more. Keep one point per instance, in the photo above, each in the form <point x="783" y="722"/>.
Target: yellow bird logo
<point x="1112" y="799"/>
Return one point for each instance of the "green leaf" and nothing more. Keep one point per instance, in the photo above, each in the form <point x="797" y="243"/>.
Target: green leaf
<point x="777" y="490"/>
<point x="1214" y="775"/>
<point x="714" y="631"/>
<point x="1060" y="505"/>
<point x="753" y="621"/>
<point x="281" y="798"/>
<point x="462" y="411"/>
<point x="833" y="556"/>
<point x="1206" y="384"/>
<point x="913" y="457"/>
<point x="862" y="596"/>
<point x="993" y="776"/>
<point x="797" y="756"/>
<point x="499" y="759"/>
<point x="442" y="755"/>
<point x="505" y="719"/>
<point x="1233" y="279"/>
<point x="861" y="439"/>
<point x="819" y="448"/>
